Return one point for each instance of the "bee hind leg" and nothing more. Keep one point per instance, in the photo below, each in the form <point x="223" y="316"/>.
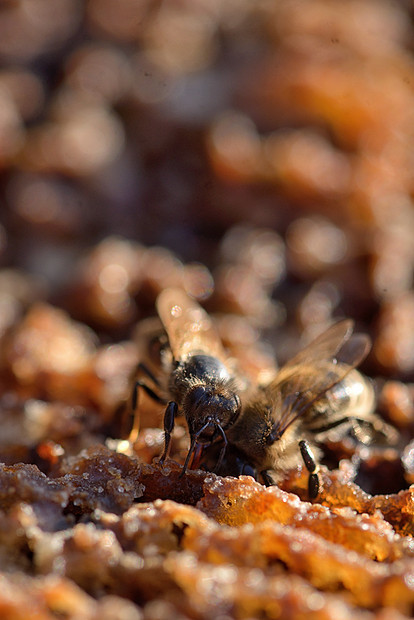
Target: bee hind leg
<point x="312" y="467"/>
<point x="130" y="422"/>
<point x="133" y="420"/>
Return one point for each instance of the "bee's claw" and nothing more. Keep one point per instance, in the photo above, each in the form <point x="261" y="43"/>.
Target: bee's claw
<point x="313" y="486"/>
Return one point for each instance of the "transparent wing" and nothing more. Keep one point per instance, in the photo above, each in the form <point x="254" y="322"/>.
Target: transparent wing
<point x="190" y="330"/>
<point x="325" y="346"/>
<point x="306" y="378"/>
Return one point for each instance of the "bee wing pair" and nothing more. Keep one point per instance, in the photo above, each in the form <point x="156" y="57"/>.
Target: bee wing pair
<point x="315" y="370"/>
<point x="189" y="327"/>
<point x="334" y="345"/>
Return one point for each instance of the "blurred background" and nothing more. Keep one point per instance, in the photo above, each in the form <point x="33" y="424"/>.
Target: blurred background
<point x="260" y="154"/>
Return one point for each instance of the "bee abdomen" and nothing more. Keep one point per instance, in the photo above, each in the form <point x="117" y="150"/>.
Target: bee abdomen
<point x="353" y="398"/>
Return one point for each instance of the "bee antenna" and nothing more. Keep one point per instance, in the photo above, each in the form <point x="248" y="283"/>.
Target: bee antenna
<point x="193" y="446"/>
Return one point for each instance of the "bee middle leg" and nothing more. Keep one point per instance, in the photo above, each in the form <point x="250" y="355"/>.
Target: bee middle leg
<point x="311" y="466"/>
<point x="133" y="421"/>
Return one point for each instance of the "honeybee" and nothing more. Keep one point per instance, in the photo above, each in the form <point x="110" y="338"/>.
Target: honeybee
<point x="197" y="381"/>
<point x="316" y="393"/>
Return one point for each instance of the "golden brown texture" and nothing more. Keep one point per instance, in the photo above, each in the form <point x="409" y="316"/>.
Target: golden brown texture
<point x="258" y="155"/>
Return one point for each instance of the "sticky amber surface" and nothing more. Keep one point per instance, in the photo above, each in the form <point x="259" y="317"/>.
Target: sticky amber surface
<point x="259" y="156"/>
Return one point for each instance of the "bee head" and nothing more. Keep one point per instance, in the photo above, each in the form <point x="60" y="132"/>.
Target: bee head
<point x="208" y="409"/>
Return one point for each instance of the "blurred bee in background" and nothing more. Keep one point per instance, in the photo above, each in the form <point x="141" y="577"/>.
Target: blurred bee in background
<point x="196" y="379"/>
<point x="316" y="394"/>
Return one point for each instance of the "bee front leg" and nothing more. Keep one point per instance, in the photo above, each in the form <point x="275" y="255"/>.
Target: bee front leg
<point x="169" y="421"/>
<point x="133" y="421"/>
<point x="311" y="466"/>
